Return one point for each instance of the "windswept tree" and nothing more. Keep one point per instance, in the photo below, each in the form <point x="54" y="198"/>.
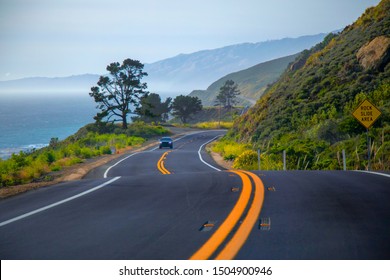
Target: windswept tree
<point x="152" y="109"/>
<point x="184" y="106"/>
<point x="228" y="93"/>
<point x="119" y="91"/>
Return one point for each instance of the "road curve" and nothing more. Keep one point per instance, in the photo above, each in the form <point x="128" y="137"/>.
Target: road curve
<point x="178" y="204"/>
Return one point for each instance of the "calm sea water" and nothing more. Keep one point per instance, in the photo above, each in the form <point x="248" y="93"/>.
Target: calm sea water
<point x="29" y="121"/>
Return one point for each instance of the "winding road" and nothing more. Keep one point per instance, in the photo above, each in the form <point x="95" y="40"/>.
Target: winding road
<point x="179" y="204"/>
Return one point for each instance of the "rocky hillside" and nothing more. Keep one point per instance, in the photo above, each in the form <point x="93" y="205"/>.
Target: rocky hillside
<point x="308" y="112"/>
<point x="252" y="82"/>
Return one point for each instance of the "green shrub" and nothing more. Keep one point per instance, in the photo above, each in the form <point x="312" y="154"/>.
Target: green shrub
<point x="214" y="125"/>
<point x="229" y="149"/>
<point x="86" y="152"/>
<point x="105" y="150"/>
<point x="56" y="168"/>
<point x="248" y="160"/>
<point x="271" y="162"/>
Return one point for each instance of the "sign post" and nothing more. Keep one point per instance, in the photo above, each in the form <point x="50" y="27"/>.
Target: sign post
<point x="366" y="113"/>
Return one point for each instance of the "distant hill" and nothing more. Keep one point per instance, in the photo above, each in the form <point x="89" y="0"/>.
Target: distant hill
<point x="76" y="83"/>
<point x="198" y="70"/>
<point x="181" y="73"/>
<point x="251" y="82"/>
<point x="308" y="112"/>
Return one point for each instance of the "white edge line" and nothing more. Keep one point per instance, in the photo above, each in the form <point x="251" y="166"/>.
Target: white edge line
<point x="376" y="173"/>
<point x="57" y="203"/>
<point x="153" y="149"/>
<point x="200" y="156"/>
<point x="118" y="162"/>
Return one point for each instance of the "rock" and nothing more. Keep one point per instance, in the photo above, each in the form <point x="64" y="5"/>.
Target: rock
<point x="375" y="54"/>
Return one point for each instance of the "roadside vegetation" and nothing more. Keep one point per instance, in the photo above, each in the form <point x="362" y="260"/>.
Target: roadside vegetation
<point x="90" y="141"/>
<point x="308" y="154"/>
<point x="244" y="156"/>
<point x="308" y="111"/>
<point x="211" y="115"/>
<point x="213" y="125"/>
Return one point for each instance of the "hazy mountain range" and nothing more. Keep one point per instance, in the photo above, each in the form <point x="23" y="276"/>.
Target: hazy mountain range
<point x="182" y="73"/>
<point x="76" y="83"/>
<point x="198" y="70"/>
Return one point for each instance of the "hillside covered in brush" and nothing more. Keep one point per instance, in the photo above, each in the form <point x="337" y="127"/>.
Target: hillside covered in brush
<point x="308" y="111"/>
<point x="251" y="82"/>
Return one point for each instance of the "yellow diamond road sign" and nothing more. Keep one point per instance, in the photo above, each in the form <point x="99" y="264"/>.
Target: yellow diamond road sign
<point x="366" y="113"/>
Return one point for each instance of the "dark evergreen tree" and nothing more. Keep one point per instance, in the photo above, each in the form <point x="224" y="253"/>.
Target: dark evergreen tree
<point x="152" y="109"/>
<point x="119" y="90"/>
<point x="228" y="94"/>
<point x="184" y="106"/>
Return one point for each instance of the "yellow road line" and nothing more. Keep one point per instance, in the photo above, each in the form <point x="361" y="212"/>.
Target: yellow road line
<point x="234" y="245"/>
<point x="220" y="235"/>
<point x="163" y="167"/>
<point x="160" y="164"/>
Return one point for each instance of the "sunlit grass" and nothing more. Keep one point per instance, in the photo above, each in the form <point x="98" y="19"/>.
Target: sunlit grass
<point x="214" y="125"/>
<point x="27" y="167"/>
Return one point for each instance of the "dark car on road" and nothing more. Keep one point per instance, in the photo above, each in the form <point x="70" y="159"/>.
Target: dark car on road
<point x="166" y="142"/>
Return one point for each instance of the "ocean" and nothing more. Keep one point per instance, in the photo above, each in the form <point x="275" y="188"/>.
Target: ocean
<point x="29" y="121"/>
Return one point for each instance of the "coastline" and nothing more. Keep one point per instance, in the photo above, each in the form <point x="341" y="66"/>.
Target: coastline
<point x="78" y="171"/>
<point x="6" y="153"/>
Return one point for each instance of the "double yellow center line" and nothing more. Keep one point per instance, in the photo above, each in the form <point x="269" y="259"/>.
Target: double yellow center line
<point x="160" y="164"/>
<point x="240" y="236"/>
<point x="236" y="219"/>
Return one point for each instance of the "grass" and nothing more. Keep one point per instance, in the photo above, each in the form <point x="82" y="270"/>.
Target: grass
<point x="229" y="149"/>
<point x="90" y="141"/>
<point x="214" y="125"/>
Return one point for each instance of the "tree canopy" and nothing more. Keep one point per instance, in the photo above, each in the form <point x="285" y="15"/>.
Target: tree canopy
<point x="184" y="106"/>
<point x="227" y="94"/>
<point x="118" y="91"/>
<point x="152" y="109"/>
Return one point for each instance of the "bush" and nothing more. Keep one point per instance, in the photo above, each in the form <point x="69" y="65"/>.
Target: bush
<point x="105" y="150"/>
<point x="143" y="130"/>
<point x="248" y="160"/>
<point x="214" y="125"/>
<point x="229" y="149"/>
<point x="48" y="157"/>
<point x="86" y="152"/>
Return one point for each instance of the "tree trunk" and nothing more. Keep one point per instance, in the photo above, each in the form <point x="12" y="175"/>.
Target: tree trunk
<point x="124" y="121"/>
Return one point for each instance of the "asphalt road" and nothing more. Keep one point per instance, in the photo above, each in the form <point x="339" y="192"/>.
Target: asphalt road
<point x="178" y="204"/>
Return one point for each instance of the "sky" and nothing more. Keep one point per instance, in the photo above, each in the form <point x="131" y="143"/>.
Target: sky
<point x="56" y="38"/>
